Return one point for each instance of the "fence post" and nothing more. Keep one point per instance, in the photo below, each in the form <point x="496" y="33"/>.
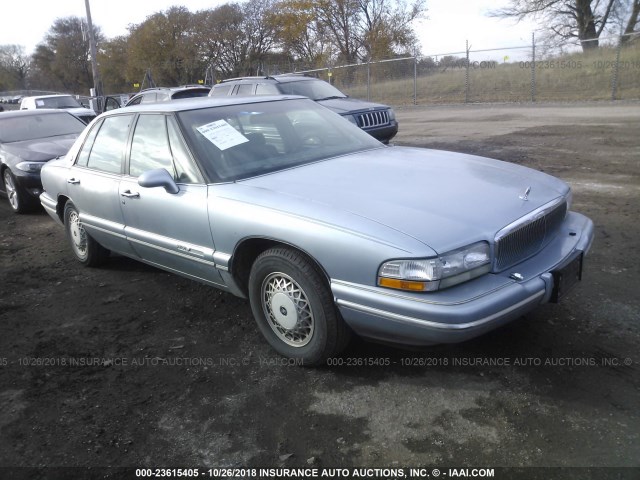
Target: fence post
<point x="466" y="77"/>
<point x="369" y="79"/>
<point x="533" y="67"/>
<point x="614" y="79"/>
<point x="415" y="80"/>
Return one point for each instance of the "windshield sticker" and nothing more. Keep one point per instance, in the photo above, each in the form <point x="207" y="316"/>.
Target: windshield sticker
<point x="40" y="103"/>
<point x="222" y="135"/>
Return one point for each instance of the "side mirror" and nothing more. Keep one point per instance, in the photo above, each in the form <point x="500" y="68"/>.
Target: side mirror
<point x="158" y="177"/>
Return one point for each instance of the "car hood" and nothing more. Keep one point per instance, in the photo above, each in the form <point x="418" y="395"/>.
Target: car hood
<point x="41" y="149"/>
<point x="345" y="105"/>
<point x="444" y="200"/>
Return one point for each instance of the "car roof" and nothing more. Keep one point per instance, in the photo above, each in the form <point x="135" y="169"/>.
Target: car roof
<point x="196" y="103"/>
<point x="284" y="78"/>
<point x="40" y="111"/>
<point x="50" y="96"/>
<point x="175" y="89"/>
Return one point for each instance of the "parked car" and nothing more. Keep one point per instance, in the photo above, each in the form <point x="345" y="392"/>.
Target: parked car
<point x="29" y="139"/>
<point x="63" y="102"/>
<point x="163" y="94"/>
<point x="323" y="228"/>
<point x="377" y="120"/>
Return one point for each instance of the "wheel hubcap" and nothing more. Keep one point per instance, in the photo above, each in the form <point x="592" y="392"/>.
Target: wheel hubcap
<point x="10" y="188"/>
<point x="287" y="309"/>
<point x="78" y="235"/>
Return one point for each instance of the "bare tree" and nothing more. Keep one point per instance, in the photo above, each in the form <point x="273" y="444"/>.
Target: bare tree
<point x="584" y="20"/>
<point x="14" y="67"/>
<point x="633" y="21"/>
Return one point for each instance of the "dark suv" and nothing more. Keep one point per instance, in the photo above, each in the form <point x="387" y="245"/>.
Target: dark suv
<point x="162" y="94"/>
<point x="377" y="120"/>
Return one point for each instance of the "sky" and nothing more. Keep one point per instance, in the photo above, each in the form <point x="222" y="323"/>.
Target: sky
<point x="449" y="22"/>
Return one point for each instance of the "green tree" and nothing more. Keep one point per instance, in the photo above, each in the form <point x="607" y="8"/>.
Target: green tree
<point x="112" y="62"/>
<point x="62" y="60"/>
<point x="164" y="43"/>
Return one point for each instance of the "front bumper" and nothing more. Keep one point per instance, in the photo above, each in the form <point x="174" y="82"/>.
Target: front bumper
<point x="28" y="182"/>
<point x="464" y="311"/>
<point x="384" y="133"/>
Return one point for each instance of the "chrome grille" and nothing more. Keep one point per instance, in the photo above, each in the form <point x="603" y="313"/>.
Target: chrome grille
<point x="528" y="235"/>
<point x="373" y="119"/>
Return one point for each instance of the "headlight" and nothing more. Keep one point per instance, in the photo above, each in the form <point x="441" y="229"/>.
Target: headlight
<point x="569" y="198"/>
<point x="392" y="114"/>
<point x="430" y="274"/>
<point x="352" y="119"/>
<point x="31" y="167"/>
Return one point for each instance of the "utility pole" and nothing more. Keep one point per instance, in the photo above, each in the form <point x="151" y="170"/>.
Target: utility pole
<point x="97" y="83"/>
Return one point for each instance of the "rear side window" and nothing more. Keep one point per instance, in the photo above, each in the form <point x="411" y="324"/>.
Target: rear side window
<point x="245" y="89"/>
<point x="266" y="89"/>
<point x="108" y="148"/>
<point x="220" y="91"/>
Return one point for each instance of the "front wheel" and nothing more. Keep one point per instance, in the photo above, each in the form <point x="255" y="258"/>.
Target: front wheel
<point x="294" y="308"/>
<point x="88" y="252"/>
<point x="18" y="198"/>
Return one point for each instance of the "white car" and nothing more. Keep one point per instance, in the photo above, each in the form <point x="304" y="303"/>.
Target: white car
<point x="65" y="102"/>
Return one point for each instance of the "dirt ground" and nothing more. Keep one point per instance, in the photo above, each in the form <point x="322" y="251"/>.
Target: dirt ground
<point x="170" y="373"/>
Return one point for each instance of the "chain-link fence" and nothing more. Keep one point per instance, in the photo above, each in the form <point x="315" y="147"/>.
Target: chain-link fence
<point x="527" y="73"/>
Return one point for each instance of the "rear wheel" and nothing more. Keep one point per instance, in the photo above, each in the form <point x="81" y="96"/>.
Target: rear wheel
<point x="294" y="307"/>
<point x="86" y="250"/>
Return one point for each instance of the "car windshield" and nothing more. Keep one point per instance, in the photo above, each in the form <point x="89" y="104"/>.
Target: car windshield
<point x="245" y="140"/>
<point x="30" y="127"/>
<point x="64" y="101"/>
<point x="313" y="89"/>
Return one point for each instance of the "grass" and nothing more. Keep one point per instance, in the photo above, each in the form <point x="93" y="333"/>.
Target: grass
<point x="573" y="77"/>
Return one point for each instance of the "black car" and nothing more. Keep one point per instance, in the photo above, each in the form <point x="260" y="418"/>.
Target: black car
<point x="163" y="94"/>
<point x="376" y="119"/>
<point x="29" y="139"/>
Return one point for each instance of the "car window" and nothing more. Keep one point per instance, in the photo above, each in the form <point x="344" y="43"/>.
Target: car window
<point x="314" y="89"/>
<point x="191" y="93"/>
<point x="186" y="170"/>
<point x="220" y="91"/>
<point x="266" y="89"/>
<point x="109" y="145"/>
<point x="135" y="101"/>
<point x="240" y="141"/>
<point x="150" y="146"/>
<point x="245" y="89"/>
<point x="63" y="101"/>
<point x="83" y="157"/>
<point x="149" y="97"/>
<point x="30" y="127"/>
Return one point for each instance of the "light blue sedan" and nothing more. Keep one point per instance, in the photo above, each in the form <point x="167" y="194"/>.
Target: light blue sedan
<point x="323" y="228"/>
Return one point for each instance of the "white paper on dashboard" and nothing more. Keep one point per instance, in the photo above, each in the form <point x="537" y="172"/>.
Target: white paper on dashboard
<point x="222" y="135"/>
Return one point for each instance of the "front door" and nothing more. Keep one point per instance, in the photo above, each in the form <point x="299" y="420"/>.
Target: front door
<point x="165" y="229"/>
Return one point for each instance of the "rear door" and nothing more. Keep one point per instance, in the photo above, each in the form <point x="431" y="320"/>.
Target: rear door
<point x="94" y="181"/>
<point x="168" y="230"/>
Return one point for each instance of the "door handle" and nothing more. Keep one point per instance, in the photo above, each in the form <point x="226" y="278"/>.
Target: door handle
<point x="130" y="194"/>
<point x="73" y="181"/>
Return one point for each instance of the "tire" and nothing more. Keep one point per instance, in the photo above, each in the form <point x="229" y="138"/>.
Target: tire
<point x="18" y="198"/>
<point x="294" y="307"/>
<point x="86" y="250"/>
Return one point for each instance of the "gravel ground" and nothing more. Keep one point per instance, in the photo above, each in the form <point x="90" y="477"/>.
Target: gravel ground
<point x="184" y="378"/>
